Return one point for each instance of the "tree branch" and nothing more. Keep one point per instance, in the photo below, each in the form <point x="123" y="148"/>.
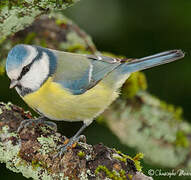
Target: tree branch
<point x="153" y="127"/>
<point x="16" y="15"/>
<point x="32" y="152"/>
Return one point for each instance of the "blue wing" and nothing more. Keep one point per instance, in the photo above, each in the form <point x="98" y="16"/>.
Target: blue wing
<point x="78" y="73"/>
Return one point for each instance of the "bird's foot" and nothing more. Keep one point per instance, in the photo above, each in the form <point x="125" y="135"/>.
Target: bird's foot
<point x="39" y="121"/>
<point x="70" y="143"/>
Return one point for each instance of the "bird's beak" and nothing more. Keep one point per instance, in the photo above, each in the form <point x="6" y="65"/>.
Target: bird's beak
<point x="13" y="84"/>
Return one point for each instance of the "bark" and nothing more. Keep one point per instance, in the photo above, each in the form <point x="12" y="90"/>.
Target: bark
<point x="32" y="151"/>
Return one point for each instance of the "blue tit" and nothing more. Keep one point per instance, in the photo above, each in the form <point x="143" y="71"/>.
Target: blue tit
<point x="71" y="87"/>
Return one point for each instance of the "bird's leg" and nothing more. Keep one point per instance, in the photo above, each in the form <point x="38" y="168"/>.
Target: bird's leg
<point x="41" y="120"/>
<point x="72" y="140"/>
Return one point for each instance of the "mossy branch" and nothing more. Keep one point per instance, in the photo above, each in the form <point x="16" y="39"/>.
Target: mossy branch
<point x="32" y="152"/>
<point x="54" y="31"/>
<point x="153" y="127"/>
<point x="17" y="14"/>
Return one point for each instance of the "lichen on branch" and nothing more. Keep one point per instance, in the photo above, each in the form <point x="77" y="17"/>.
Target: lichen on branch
<point x="15" y="15"/>
<point x="55" y="32"/>
<point x="152" y="127"/>
<point x="33" y="151"/>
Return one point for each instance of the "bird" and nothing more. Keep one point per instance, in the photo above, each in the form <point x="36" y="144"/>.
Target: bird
<point x="64" y="86"/>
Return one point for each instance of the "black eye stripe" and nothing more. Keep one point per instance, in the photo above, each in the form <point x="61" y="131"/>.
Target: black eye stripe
<point x="27" y="67"/>
<point x="25" y="70"/>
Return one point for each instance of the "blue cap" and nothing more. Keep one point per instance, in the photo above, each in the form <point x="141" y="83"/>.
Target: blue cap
<point x="16" y="57"/>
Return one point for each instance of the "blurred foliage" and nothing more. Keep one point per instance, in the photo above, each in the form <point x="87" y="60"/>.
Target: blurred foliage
<point x="140" y="28"/>
<point x="2" y="70"/>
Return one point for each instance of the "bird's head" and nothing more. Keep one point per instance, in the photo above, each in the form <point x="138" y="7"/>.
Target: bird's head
<point x="28" y="67"/>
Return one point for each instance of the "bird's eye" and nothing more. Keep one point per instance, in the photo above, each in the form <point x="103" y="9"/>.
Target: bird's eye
<point x="25" y="70"/>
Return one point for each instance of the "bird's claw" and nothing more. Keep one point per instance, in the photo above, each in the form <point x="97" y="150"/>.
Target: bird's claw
<point x="70" y="144"/>
<point x="28" y="122"/>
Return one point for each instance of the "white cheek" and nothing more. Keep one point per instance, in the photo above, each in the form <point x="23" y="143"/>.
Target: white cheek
<point x="14" y="74"/>
<point x="37" y="73"/>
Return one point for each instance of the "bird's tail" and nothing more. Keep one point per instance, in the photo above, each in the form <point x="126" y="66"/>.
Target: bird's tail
<point x="151" y="61"/>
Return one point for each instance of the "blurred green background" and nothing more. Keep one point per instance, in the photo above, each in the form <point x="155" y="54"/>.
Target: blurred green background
<point x="134" y="29"/>
<point x="140" y="28"/>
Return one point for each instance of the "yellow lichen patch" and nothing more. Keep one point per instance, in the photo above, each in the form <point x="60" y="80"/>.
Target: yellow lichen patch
<point x="113" y="55"/>
<point x="100" y="119"/>
<point x="36" y="164"/>
<point x="61" y="21"/>
<point x="137" y="159"/>
<point x="136" y="82"/>
<point x="122" y="157"/>
<point x="181" y="139"/>
<point x="111" y="174"/>
<point x="81" y="154"/>
<point x="77" y="47"/>
<point x="2" y="70"/>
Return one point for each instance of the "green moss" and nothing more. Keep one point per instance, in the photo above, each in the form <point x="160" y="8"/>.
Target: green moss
<point x="136" y="82"/>
<point x="181" y="139"/>
<point x="61" y="21"/>
<point x="76" y="47"/>
<point x="36" y="164"/>
<point x="2" y="70"/>
<point x="2" y="39"/>
<point x="137" y="162"/>
<point x="81" y="154"/>
<point x="100" y="119"/>
<point x="122" y="157"/>
<point x="8" y="105"/>
<point x="41" y="3"/>
<point x="29" y="38"/>
<point x="176" y="111"/>
<point x="12" y="3"/>
<point x="111" y="174"/>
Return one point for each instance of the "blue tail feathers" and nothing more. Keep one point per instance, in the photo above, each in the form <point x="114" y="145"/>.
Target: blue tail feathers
<point x="151" y="61"/>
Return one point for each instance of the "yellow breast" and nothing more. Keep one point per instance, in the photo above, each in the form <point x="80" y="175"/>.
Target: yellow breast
<point x="57" y="103"/>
